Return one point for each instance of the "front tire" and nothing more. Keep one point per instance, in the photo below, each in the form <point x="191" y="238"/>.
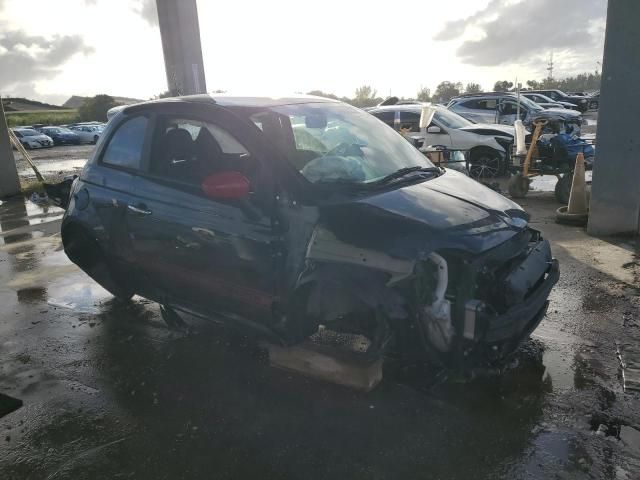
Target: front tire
<point x="485" y="163"/>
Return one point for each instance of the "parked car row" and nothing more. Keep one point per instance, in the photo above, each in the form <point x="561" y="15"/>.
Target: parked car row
<point x="481" y="124"/>
<point x="488" y="145"/>
<point x="504" y="108"/>
<point x="46" y="136"/>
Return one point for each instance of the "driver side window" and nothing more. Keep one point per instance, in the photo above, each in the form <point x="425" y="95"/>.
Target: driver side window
<point x="189" y="150"/>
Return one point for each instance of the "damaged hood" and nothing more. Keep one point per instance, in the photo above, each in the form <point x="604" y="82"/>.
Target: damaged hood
<point x="451" y="211"/>
<point x="558" y="113"/>
<point x="491" y="128"/>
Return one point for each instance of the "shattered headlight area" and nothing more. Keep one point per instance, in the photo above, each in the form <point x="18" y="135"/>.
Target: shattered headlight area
<point x="491" y="302"/>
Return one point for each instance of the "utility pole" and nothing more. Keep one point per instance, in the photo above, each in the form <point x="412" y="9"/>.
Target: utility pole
<point x="615" y="196"/>
<point x="180" y="32"/>
<point x="550" y="66"/>
<point x="9" y="180"/>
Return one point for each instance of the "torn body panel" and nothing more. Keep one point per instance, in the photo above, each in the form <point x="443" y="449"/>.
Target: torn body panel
<point x="463" y="303"/>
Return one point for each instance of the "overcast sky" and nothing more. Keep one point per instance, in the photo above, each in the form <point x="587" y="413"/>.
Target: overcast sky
<point x="50" y="50"/>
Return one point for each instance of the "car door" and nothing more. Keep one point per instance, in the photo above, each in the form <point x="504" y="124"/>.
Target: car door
<point x="436" y="134"/>
<point x="205" y="254"/>
<point x="508" y="111"/>
<point x="481" y="110"/>
<point x="108" y="180"/>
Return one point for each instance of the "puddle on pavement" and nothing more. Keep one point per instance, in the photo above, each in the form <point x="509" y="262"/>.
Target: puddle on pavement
<point x="40" y="270"/>
<point x="67" y="166"/>
<point x="19" y="214"/>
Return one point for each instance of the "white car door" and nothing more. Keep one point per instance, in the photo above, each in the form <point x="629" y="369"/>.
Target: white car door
<point x="436" y="133"/>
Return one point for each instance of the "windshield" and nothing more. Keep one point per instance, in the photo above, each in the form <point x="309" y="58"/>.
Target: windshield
<point x="544" y="98"/>
<point x="29" y="133"/>
<point x="330" y="142"/>
<point x="450" y="119"/>
<point x="530" y="104"/>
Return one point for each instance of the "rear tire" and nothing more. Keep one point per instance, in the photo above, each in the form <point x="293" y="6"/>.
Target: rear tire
<point x="84" y="250"/>
<point x="95" y="139"/>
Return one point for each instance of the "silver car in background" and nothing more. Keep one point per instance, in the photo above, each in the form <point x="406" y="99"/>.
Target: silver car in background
<point x="32" y="139"/>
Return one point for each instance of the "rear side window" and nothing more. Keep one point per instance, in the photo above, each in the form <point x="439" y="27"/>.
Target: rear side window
<point x="188" y="150"/>
<point x="125" y="146"/>
<point x="387" y="117"/>
<point x="410" y="121"/>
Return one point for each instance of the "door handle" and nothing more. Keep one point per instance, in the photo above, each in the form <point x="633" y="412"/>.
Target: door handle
<point x="139" y="211"/>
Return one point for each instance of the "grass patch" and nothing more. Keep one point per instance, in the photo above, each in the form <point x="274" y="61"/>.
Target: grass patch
<point x="46" y="117"/>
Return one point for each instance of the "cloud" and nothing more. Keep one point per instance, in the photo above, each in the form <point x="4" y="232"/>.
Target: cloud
<point x="522" y="31"/>
<point x="30" y="58"/>
<point x="145" y="8"/>
<point x="148" y="10"/>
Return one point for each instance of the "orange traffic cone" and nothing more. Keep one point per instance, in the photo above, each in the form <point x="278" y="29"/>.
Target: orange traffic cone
<point x="577" y="212"/>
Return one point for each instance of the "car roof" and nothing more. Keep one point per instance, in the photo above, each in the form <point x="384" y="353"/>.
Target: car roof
<point x="407" y="107"/>
<point x="487" y="94"/>
<point x="236" y="101"/>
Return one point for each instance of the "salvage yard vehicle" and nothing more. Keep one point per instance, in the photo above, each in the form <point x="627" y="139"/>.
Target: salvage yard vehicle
<point x="502" y="108"/>
<point x="547" y="102"/>
<point x="60" y="135"/>
<point x="558" y="95"/>
<point x="87" y="133"/>
<point x="489" y="145"/>
<point x="282" y="215"/>
<point x="30" y="138"/>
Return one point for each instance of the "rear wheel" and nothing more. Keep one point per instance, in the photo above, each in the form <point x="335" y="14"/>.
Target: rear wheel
<point x="485" y="163"/>
<point x="95" y="139"/>
<point x="26" y="146"/>
<point x="84" y="250"/>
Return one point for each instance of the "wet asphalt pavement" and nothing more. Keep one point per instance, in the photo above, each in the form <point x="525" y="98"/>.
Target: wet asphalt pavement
<point x="109" y="392"/>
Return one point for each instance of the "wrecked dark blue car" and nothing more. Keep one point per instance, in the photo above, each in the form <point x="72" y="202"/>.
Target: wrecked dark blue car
<point x="283" y="215"/>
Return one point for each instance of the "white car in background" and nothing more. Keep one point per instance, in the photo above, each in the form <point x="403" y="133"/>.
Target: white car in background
<point x="30" y="138"/>
<point x="87" y="133"/>
<point x="488" y="145"/>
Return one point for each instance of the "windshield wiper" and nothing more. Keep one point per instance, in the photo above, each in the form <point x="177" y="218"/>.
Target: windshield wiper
<point x="359" y="185"/>
<point x="405" y="171"/>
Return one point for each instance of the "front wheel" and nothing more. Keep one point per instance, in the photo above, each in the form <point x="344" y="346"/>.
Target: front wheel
<point x="485" y="163"/>
<point x="95" y="139"/>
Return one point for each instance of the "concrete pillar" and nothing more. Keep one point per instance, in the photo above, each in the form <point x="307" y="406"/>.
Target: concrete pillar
<point x="9" y="180"/>
<point x="615" y="195"/>
<point x="180" y="32"/>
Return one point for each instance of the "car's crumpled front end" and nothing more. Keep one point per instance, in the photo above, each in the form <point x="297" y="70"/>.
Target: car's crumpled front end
<point x="450" y="268"/>
<point x="493" y="300"/>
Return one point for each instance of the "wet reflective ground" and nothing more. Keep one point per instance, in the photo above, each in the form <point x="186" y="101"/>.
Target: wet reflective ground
<point x="110" y="392"/>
